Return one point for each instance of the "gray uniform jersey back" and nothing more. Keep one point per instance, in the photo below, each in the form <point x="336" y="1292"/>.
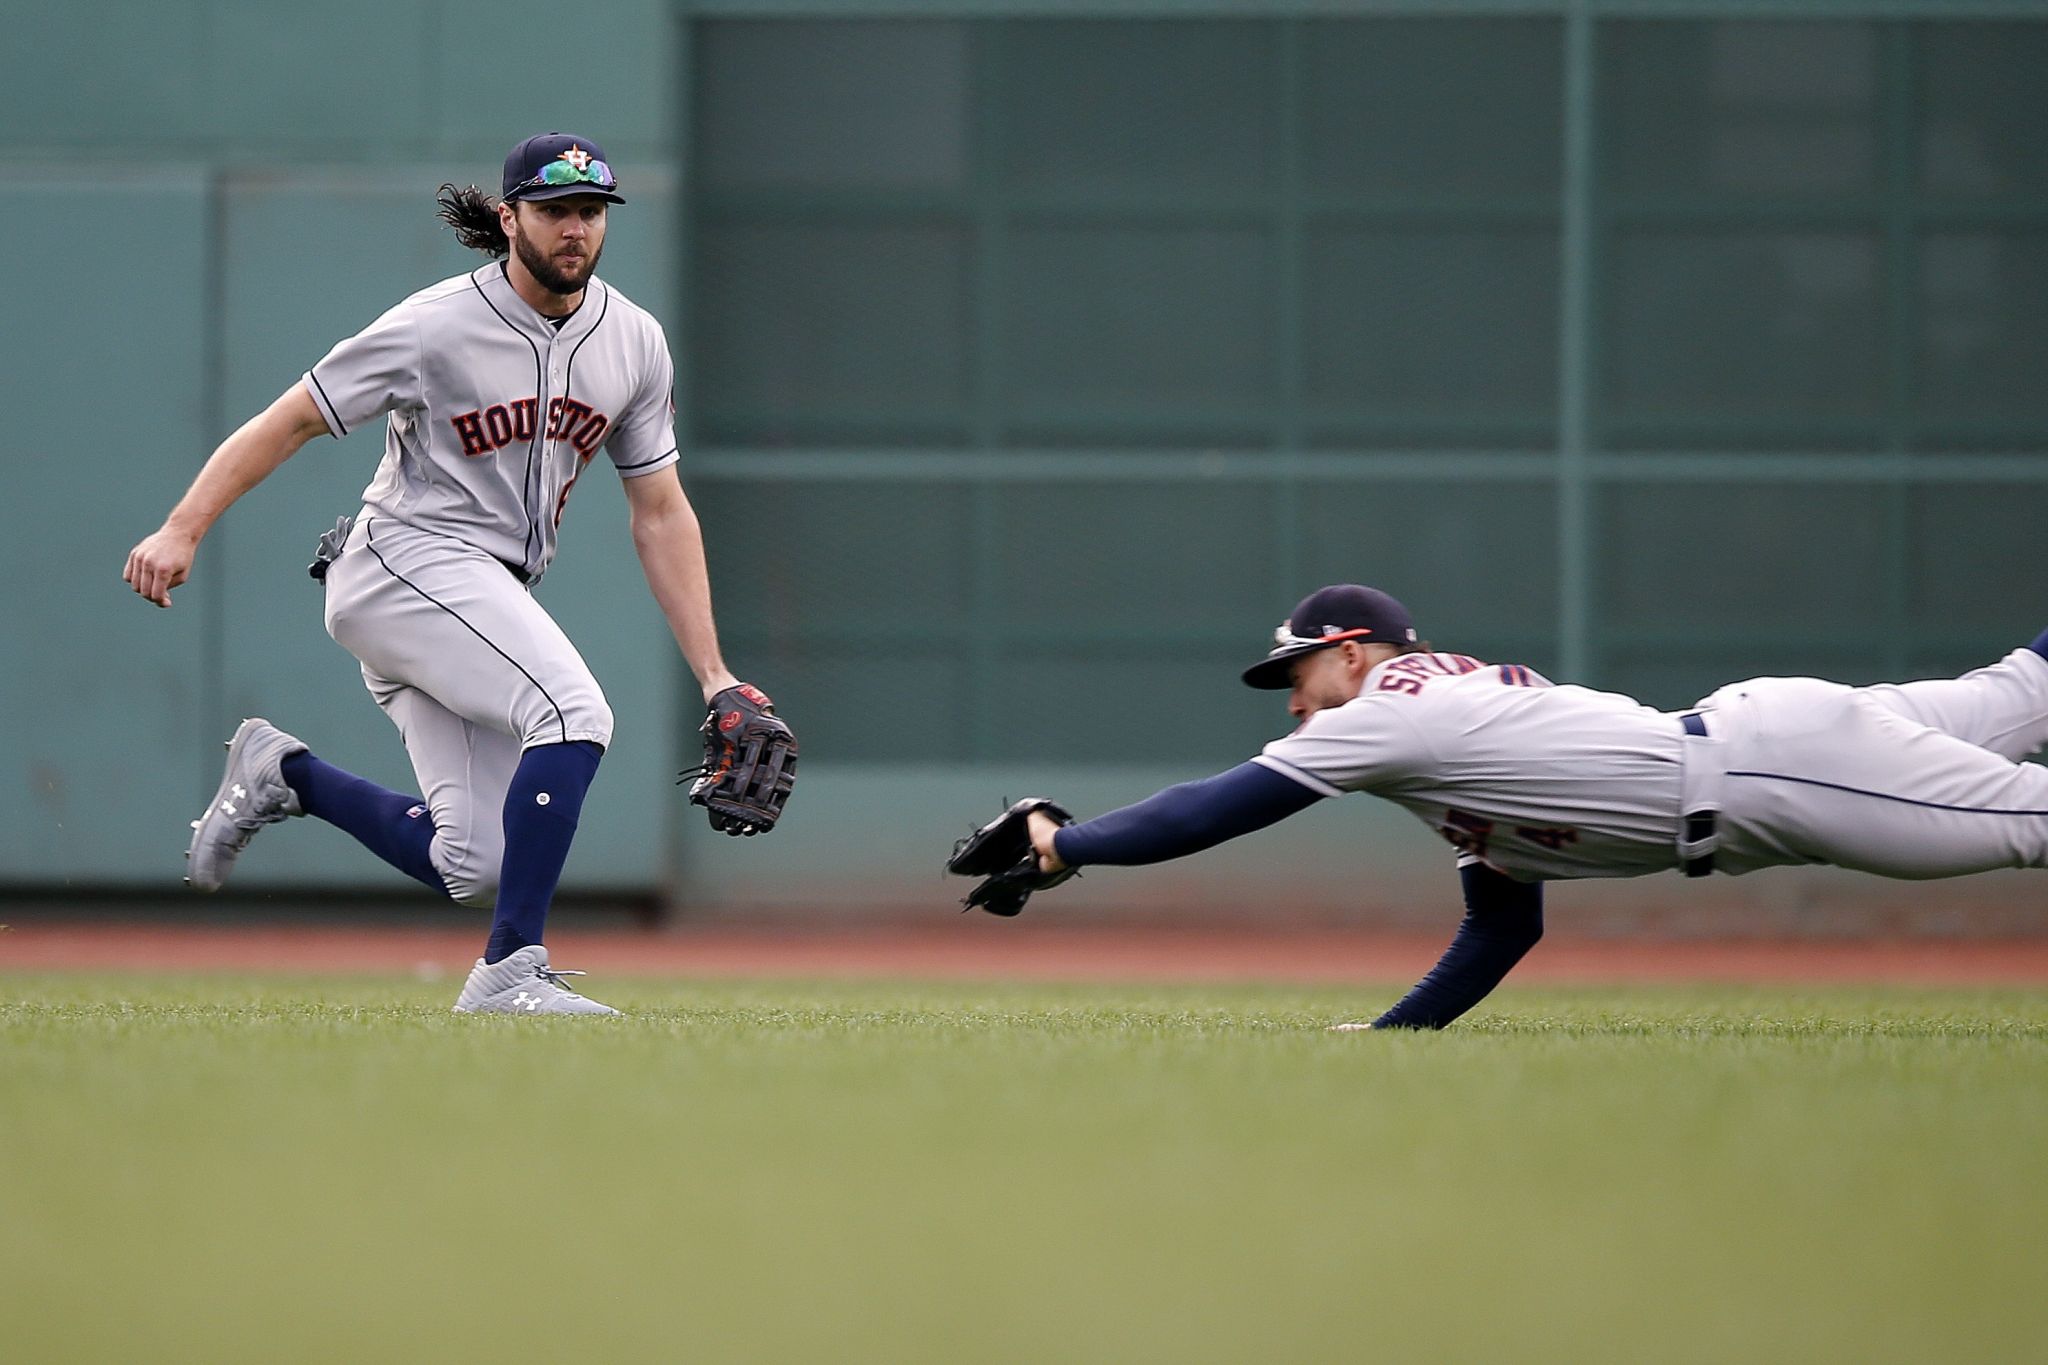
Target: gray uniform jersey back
<point x="493" y="412"/>
<point x="1535" y="780"/>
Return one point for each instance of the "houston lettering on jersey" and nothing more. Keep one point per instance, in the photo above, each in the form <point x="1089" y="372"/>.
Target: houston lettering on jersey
<point x="489" y="430"/>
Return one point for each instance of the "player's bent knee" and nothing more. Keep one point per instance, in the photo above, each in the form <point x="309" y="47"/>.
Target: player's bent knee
<point x="468" y="871"/>
<point x="573" y="718"/>
<point x="597" y="724"/>
<point x="473" y="886"/>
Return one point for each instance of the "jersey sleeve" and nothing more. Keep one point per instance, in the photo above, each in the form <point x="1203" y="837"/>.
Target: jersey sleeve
<point x="643" y="440"/>
<point x="1348" y="748"/>
<point x="373" y="372"/>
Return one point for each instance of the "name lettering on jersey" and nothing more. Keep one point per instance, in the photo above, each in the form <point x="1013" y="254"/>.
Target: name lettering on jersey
<point x="1469" y="833"/>
<point x="489" y="430"/>
<point x="1465" y="832"/>
<point x="1408" y="673"/>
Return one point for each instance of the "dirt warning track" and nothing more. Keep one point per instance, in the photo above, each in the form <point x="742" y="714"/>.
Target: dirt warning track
<point x="974" y="949"/>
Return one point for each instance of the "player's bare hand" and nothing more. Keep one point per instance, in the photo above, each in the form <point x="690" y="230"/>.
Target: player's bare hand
<point x="1043" y="827"/>
<point x="161" y="562"/>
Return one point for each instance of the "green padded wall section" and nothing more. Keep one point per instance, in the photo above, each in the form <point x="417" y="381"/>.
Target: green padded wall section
<point x="105" y="692"/>
<point x="1132" y="330"/>
<point x="1650" y="344"/>
<point x="243" y="185"/>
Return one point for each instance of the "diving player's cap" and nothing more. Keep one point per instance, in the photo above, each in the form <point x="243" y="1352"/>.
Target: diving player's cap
<point x="552" y="165"/>
<point x="1330" y="616"/>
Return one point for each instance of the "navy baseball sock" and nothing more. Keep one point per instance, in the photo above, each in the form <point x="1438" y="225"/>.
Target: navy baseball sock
<point x="2040" y="645"/>
<point x="541" y="809"/>
<point x="391" y="825"/>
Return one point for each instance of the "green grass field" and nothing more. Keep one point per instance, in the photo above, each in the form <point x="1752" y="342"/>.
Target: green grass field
<point x="273" y="1169"/>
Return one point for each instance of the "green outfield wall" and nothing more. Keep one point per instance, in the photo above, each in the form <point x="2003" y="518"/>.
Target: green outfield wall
<point x="1032" y="360"/>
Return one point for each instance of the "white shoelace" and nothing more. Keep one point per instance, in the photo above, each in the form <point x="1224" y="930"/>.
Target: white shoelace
<point x="554" y="977"/>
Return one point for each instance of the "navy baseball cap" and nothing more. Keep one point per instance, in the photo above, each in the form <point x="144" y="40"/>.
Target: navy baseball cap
<point x="552" y="165"/>
<point x="1330" y="616"/>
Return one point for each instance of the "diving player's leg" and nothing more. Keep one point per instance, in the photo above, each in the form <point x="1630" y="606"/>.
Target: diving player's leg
<point x="1837" y="775"/>
<point x="2002" y="707"/>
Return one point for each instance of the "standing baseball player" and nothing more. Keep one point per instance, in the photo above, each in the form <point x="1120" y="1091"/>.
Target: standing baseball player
<point x="498" y="388"/>
<point x="1532" y="782"/>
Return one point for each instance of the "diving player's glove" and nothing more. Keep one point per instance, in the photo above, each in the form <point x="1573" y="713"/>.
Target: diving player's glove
<point x="749" y="762"/>
<point x="1000" y="853"/>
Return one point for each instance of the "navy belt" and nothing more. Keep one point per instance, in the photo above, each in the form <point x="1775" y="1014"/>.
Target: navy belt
<point x="1701" y="824"/>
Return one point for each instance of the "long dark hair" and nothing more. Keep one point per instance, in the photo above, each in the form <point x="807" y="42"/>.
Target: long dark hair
<point x="474" y="216"/>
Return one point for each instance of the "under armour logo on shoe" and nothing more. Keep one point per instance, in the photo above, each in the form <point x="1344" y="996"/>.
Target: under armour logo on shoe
<point x="532" y="1002"/>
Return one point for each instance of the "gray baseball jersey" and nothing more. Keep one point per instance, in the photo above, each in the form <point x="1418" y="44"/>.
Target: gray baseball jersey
<point x="1915" y="779"/>
<point x="494" y="413"/>
<point x="1540" y="781"/>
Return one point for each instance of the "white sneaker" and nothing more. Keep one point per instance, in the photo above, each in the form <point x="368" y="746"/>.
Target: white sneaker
<point x="252" y="794"/>
<point x="522" y="984"/>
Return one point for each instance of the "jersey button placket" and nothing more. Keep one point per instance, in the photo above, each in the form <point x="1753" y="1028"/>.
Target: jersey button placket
<point x="551" y="372"/>
<point x="547" y="458"/>
<point x="554" y="387"/>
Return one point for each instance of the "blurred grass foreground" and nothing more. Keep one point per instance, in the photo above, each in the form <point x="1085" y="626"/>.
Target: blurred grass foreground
<point x="265" y="1168"/>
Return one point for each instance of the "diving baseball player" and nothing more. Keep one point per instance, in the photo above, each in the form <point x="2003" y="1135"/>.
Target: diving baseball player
<point x="499" y="387"/>
<point x="1531" y="782"/>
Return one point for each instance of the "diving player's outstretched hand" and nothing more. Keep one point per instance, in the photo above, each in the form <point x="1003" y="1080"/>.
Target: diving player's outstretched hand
<point x="1005" y="855"/>
<point x="1041" y="827"/>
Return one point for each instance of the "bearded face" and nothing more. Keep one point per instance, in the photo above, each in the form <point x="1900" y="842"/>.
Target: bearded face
<point x="559" y="240"/>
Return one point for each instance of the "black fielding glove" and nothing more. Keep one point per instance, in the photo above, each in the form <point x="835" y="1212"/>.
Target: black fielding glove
<point x="749" y="762"/>
<point x="1000" y="853"/>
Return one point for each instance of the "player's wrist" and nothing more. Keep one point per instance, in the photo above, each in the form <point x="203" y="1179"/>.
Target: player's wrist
<point x="186" y="527"/>
<point x="1044" y="831"/>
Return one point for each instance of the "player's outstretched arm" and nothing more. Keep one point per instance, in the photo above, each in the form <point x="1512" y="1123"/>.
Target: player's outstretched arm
<point x="670" y="544"/>
<point x="163" y="559"/>
<point x="1503" y="921"/>
<point x="1173" y="823"/>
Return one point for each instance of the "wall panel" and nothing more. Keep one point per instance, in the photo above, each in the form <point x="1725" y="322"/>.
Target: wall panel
<point x="1070" y="351"/>
<point x="108" y="752"/>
